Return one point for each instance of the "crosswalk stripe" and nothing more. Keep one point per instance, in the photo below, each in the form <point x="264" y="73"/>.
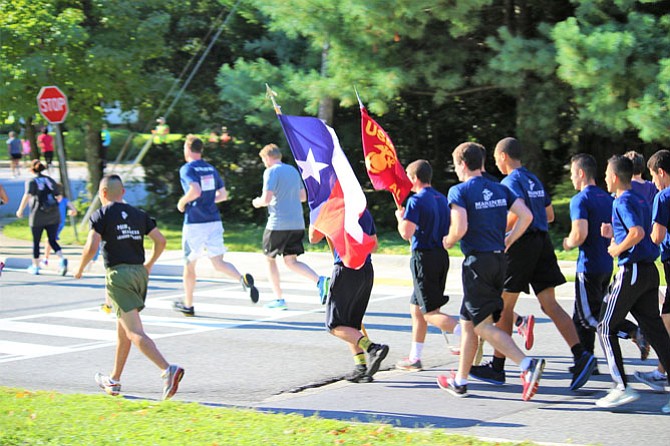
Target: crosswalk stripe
<point x="57" y="330"/>
<point x="28" y="349"/>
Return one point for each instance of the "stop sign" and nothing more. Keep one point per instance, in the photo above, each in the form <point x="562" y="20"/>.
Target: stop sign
<point x="52" y="104"/>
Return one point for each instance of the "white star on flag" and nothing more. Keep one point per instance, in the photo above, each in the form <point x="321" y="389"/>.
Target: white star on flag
<point x="311" y="167"/>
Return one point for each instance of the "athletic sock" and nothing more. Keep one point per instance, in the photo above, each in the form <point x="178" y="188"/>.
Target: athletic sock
<point x="457" y="330"/>
<point x="525" y="364"/>
<point x="364" y="343"/>
<point x="359" y="358"/>
<point x="498" y="364"/>
<point x="577" y="351"/>
<point x="415" y="351"/>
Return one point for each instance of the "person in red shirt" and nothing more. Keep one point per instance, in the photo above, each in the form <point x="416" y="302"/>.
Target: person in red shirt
<point x="46" y="143"/>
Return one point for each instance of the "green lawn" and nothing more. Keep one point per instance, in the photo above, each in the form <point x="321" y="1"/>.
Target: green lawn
<point x="47" y="418"/>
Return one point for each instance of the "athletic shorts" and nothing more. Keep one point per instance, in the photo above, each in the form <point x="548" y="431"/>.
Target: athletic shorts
<point x="483" y="275"/>
<point x="349" y="296"/>
<point x="283" y="243"/>
<point x="531" y="261"/>
<point x="16" y="156"/>
<point x="200" y="239"/>
<point x="665" y="309"/>
<point x="429" y="273"/>
<point x="127" y="287"/>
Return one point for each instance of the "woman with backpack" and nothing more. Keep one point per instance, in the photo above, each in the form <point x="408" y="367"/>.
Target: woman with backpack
<point x="41" y="193"/>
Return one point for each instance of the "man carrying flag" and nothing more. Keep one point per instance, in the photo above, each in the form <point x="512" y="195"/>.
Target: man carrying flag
<point x="340" y="215"/>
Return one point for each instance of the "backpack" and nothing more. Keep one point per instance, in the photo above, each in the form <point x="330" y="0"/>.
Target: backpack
<point x="46" y="197"/>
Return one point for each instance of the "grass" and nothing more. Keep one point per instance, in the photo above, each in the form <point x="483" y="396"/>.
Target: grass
<point x="48" y="418"/>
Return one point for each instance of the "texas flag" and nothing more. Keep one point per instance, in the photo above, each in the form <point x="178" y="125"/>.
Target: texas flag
<point x="336" y="200"/>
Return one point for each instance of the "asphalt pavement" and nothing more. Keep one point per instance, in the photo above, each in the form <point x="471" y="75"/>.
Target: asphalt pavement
<point x="240" y="355"/>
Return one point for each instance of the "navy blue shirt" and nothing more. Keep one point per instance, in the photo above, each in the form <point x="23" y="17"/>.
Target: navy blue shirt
<point x="203" y="209"/>
<point x="526" y="185"/>
<point x="486" y="203"/>
<point x="595" y="206"/>
<point x="631" y="209"/>
<point x="647" y="190"/>
<point x="368" y="226"/>
<point x="429" y="211"/>
<point x="661" y="214"/>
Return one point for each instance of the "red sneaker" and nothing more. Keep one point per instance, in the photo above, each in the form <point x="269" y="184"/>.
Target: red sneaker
<point x="526" y="330"/>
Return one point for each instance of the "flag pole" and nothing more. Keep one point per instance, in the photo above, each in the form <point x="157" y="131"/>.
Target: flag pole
<point x="269" y="93"/>
<point x="360" y="103"/>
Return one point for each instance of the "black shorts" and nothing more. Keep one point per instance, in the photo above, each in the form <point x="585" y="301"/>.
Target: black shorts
<point x="16" y="156"/>
<point x="665" y="309"/>
<point x="429" y="273"/>
<point x="284" y="243"/>
<point x="48" y="156"/>
<point x="483" y="275"/>
<point x="349" y="296"/>
<point x="531" y="261"/>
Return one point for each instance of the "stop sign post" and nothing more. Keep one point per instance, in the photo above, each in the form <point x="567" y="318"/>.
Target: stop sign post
<point x="52" y="105"/>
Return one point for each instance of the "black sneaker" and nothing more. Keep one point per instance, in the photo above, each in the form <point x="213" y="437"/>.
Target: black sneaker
<point x="448" y="383"/>
<point x="359" y="375"/>
<point x="595" y="372"/>
<point x="187" y="311"/>
<point x="582" y="370"/>
<point x="248" y="284"/>
<point x="376" y="355"/>
<point x="486" y="373"/>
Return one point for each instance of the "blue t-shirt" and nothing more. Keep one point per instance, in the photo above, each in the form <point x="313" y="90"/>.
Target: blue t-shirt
<point x="285" y="209"/>
<point x="647" y="190"/>
<point x="526" y="185"/>
<point x="62" y="210"/>
<point x="203" y="209"/>
<point x="661" y="214"/>
<point x="429" y="211"/>
<point x="486" y="203"/>
<point x="368" y="226"/>
<point x="631" y="209"/>
<point x="595" y="206"/>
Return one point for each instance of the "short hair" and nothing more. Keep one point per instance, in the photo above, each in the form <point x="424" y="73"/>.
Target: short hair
<point x="511" y="147"/>
<point x="113" y="183"/>
<point x="471" y="153"/>
<point x="622" y="167"/>
<point x="270" y="150"/>
<point x="638" y="161"/>
<point x="421" y="170"/>
<point x="194" y="143"/>
<point x="587" y="163"/>
<point x="45" y="130"/>
<point x="36" y="166"/>
<point x="659" y="160"/>
<point x="12" y="134"/>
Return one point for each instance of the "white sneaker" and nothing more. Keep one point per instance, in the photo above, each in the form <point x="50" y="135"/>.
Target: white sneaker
<point x="617" y="397"/>
<point x="652" y="380"/>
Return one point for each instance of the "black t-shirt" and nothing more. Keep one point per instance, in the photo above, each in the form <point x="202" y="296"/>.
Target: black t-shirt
<point x="122" y="228"/>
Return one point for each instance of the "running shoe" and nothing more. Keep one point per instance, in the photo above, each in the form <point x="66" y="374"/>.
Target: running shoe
<point x="409" y="365"/>
<point x="487" y="373"/>
<point x="359" y="375"/>
<point x="32" y="269"/>
<point x="277" y="304"/>
<point x="62" y="266"/>
<point x="448" y="383"/>
<point x="652" y="379"/>
<point x="641" y="341"/>
<point x="376" y="354"/>
<point x="171" y="378"/>
<point x="617" y="397"/>
<point x="180" y="307"/>
<point x="247" y="281"/>
<point x="323" y="284"/>
<point x="44" y="263"/>
<point x="531" y="378"/>
<point x="526" y="330"/>
<point x="583" y="370"/>
<point x="595" y="372"/>
<point x="110" y="386"/>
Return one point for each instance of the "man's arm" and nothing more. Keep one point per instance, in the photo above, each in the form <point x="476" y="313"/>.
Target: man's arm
<point x="303" y="195"/>
<point x="634" y="236"/>
<point x="193" y="193"/>
<point x="658" y="232"/>
<point x="578" y="233"/>
<point x="264" y="200"/>
<point x="406" y="228"/>
<point x="221" y="195"/>
<point x="22" y="205"/>
<point x="458" y="227"/>
<point x="90" y="248"/>
<point x="551" y="216"/>
<point x="523" y="219"/>
<point x="159" y="246"/>
<point x="314" y="235"/>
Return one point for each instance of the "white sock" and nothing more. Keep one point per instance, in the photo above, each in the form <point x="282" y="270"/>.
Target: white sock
<point x="525" y="364"/>
<point x="457" y="330"/>
<point x="415" y="351"/>
<point x="460" y="381"/>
